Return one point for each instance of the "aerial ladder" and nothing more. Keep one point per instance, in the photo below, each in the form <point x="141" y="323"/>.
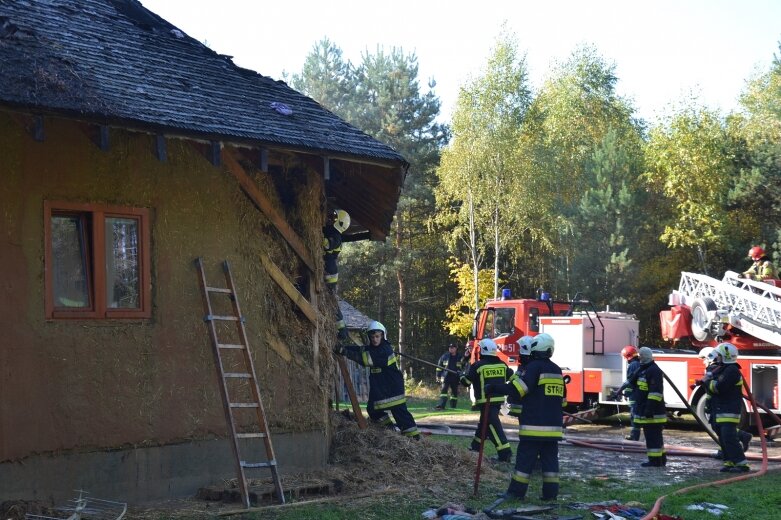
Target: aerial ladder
<point x="751" y="306"/>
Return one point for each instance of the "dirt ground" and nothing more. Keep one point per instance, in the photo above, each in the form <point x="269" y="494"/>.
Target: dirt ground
<point x="377" y="456"/>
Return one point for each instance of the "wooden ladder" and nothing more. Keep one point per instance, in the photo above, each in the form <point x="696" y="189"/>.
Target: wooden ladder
<point x="246" y="375"/>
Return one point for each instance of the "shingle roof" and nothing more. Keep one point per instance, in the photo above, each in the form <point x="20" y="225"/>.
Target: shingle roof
<point x="353" y="318"/>
<point x="113" y="60"/>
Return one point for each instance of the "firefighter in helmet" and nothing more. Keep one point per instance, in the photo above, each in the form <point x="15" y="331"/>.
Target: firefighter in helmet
<point x="449" y="366"/>
<point x="386" y="383"/>
<point x="540" y="387"/>
<point x="648" y="395"/>
<point x="726" y="401"/>
<point x="762" y="268"/>
<point x="488" y="370"/>
<point x="629" y="353"/>
<point x="524" y="356"/>
<point x="338" y="222"/>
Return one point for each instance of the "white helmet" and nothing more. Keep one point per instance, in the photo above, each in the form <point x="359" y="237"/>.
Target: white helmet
<point x="377" y="326"/>
<point x="524" y="345"/>
<point x="728" y="353"/>
<point x="646" y="355"/>
<point x="342" y="221"/>
<point x="542" y="344"/>
<point x="487" y="347"/>
<point x="704" y="354"/>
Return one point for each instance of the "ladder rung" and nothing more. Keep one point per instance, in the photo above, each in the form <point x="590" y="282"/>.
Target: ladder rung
<point x="211" y="317"/>
<point x="225" y="345"/>
<point x="258" y="464"/>
<point x="251" y="435"/>
<point x="219" y="290"/>
<point x="243" y="405"/>
<point x="238" y="375"/>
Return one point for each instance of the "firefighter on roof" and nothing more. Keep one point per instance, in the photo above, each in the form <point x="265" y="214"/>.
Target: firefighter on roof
<point x="338" y="222"/>
<point x="386" y="383"/>
<point x="540" y="387"/>
<point x="648" y="395"/>
<point x="489" y="370"/>
<point x="762" y="268"/>
<point x="451" y="361"/>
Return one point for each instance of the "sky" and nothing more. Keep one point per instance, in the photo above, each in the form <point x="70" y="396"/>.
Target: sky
<point x="664" y="50"/>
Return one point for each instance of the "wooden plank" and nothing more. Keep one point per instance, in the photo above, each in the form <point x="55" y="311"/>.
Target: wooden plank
<point x="351" y="392"/>
<point x="264" y="204"/>
<point x="290" y="289"/>
<point x="280" y="348"/>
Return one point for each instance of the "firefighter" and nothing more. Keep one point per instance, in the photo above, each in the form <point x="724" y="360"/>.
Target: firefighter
<point x="524" y="356"/>
<point x="540" y="387"/>
<point x="447" y="375"/>
<point x="386" y="383"/>
<point x="726" y="391"/>
<point x="338" y="222"/>
<point x="648" y="395"/>
<point x="629" y="353"/>
<point x="762" y="268"/>
<point x="489" y="370"/>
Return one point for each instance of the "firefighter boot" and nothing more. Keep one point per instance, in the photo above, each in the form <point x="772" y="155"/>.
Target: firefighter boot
<point x="453" y="403"/>
<point x="634" y="435"/>
<point x="655" y="462"/>
<point x="441" y="404"/>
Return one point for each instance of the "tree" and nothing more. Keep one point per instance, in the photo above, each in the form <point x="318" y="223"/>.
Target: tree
<point x="460" y="314"/>
<point x="480" y="175"/>
<point x="689" y="163"/>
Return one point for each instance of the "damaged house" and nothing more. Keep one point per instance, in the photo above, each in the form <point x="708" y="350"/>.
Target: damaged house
<point x="128" y="150"/>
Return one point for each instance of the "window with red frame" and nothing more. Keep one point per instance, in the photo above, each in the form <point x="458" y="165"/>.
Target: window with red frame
<point x="97" y="261"/>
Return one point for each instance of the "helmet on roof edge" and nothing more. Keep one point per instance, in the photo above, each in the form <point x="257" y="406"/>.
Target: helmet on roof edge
<point x="342" y="221"/>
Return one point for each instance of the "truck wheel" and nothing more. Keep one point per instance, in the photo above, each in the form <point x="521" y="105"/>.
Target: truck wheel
<point x="699" y="409"/>
<point x="700" y="320"/>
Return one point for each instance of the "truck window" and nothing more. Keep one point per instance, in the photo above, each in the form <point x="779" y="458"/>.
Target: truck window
<point x="534" y="320"/>
<point x="503" y="322"/>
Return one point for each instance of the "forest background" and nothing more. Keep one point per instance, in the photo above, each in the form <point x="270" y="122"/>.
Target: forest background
<point x="562" y="188"/>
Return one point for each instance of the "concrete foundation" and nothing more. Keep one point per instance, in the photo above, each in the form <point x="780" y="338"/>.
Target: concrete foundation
<point x="145" y="474"/>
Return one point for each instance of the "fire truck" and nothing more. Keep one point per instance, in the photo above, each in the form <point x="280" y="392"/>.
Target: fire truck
<point x="704" y="312"/>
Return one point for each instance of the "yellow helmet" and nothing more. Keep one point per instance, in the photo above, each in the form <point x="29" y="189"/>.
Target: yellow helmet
<point x="342" y="221"/>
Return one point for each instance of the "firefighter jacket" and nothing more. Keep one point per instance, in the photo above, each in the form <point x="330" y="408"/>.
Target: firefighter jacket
<point x="761" y="269"/>
<point x="648" y="395"/>
<point x="446" y="361"/>
<point x="628" y="387"/>
<point x="386" y="383"/>
<point x="726" y="391"/>
<point x="488" y="370"/>
<point x="540" y="388"/>
<point x="332" y="246"/>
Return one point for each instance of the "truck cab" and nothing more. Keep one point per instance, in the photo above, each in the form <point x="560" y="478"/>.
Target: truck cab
<point x="506" y="320"/>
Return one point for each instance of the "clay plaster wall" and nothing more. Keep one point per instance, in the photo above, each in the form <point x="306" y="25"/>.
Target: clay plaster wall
<point x="89" y="385"/>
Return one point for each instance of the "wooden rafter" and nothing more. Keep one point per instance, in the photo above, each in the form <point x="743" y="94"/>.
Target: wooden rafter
<point x="279" y="277"/>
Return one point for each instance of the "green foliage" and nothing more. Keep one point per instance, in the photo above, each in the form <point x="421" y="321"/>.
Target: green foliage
<point x="689" y="163"/>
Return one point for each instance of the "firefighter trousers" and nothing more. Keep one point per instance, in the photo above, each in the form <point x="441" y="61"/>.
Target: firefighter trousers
<point x="404" y="420"/>
<point x="529" y="452"/>
<point x="654" y="442"/>
<point x="450" y="385"/>
<point x="494" y="432"/>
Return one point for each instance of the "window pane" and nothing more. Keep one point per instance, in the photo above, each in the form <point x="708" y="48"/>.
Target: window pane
<point x="123" y="271"/>
<point x="69" y="261"/>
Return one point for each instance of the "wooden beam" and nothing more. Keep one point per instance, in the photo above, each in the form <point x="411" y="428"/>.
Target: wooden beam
<point x="280" y="348"/>
<point x="161" y="152"/>
<point x="214" y="153"/>
<point x="103" y="135"/>
<point x="37" y="130"/>
<point x="264" y="204"/>
<point x="289" y="289"/>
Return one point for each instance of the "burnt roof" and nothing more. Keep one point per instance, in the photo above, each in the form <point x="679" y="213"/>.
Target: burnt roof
<point x="115" y="62"/>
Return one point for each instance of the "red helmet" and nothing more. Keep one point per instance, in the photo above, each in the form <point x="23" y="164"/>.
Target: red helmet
<point x="628" y="352"/>
<point x="756" y="252"/>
